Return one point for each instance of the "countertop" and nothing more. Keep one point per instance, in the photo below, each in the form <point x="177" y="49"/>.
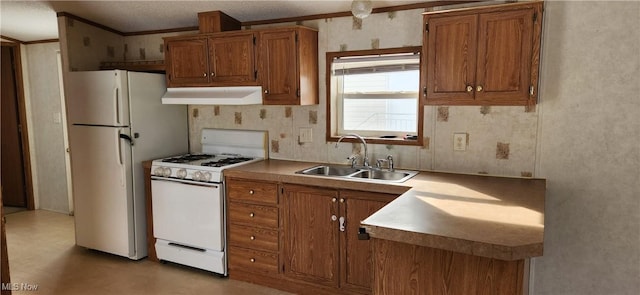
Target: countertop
<point x="494" y="217"/>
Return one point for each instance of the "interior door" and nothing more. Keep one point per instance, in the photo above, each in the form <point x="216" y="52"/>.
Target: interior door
<point x="12" y="174"/>
<point x="102" y="189"/>
<point x="4" y="272"/>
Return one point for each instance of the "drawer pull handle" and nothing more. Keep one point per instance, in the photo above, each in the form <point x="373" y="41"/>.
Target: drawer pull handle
<point x="251" y="192"/>
<point x="252" y="238"/>
<point x="252" y="260"/>
<point x="251" y="215"/>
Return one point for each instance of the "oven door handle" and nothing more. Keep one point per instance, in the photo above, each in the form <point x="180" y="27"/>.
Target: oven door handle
<point x="185" y="181"/>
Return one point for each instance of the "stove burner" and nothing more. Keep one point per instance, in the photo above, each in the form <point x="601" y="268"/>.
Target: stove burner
<point x="187" y="158"/>
<point x="226" y="161"/>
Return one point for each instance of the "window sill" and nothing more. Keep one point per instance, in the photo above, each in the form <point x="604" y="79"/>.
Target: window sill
<point x="377" y="140"/>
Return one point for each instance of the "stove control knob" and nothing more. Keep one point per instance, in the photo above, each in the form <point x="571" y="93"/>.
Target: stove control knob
<point x="181" y="173"/>
<point x="167" y="172"/>
<point x="197" y="176"/>
<point x="206" y="176"/>
<point x="158" y="171"/>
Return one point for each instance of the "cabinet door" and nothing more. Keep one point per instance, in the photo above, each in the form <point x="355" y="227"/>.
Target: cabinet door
<point x="451" y="58"/>
<point x="356" y="272"/>
<point x="187" y="63"/>
<point x="231" y="59"/>
<point x="504" y="55"/>
<point x="279" y="67"/>
<point x="310" y="234"/>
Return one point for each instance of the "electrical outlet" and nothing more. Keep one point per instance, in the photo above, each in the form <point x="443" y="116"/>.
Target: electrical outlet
<point x="460" y="141"/>
<point x="306" y="135"/>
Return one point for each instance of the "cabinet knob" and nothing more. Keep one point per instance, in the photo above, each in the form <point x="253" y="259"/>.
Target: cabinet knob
<point x="341" y="200"/>
<point x="252" y="260"/>
<point x="334" y="200"/>
<point x="251" y="192"/>
<point x="479" y="88"/>
<point x="469" y="88"/>
<point x="204" y="74"/>
<point x="213" y="74"/>
<point x="252" y="238"/>
<point x="266" y="91"/>
<point x="251" y="215"/>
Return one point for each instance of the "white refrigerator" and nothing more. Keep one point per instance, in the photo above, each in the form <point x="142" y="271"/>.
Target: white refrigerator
<point x="116" y="121"/>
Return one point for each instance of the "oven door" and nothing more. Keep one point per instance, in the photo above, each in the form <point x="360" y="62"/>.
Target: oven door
<point x="188" y="213"/>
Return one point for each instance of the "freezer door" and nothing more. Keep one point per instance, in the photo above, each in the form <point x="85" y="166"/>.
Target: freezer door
<point x="97" y="98"/>
<point x="102" y="189"/>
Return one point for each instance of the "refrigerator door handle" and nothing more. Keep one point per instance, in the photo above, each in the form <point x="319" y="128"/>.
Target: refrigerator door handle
<point x="127" y="138"/>
<point x="122" y="166"/>
<point x="120" y="135"/>
<point x="117" y="101"/>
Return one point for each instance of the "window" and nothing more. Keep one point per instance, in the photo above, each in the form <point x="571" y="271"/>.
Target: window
<point x="375" y="93"/>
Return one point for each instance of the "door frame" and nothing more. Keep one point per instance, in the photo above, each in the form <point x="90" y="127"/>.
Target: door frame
<point x="22" y="115"/>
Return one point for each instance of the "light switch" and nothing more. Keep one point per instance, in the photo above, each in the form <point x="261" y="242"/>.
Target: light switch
<point x="306" y="135"/>
<point x="460" y="141"/>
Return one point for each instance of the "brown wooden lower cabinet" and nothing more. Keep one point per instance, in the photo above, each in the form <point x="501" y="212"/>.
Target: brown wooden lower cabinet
<point x="401" y="268"/>
<point x="318" y="250"/>
<point x="320" y="234"/>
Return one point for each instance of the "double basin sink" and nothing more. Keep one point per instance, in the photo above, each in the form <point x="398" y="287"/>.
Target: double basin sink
<point x="355" y="173"/>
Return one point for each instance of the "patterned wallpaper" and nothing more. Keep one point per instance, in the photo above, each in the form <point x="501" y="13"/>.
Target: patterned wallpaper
<point x="501" y="140"/>
<point x="87" y="45"/>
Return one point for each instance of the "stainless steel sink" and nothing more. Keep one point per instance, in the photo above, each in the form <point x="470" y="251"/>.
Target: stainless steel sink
<point x="329" y="170"/>
<point x="362" y="173"/>
<point x="383" y="175"/>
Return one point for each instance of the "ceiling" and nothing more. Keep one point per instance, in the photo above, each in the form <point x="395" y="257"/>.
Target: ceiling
<point x="29" y="21"/>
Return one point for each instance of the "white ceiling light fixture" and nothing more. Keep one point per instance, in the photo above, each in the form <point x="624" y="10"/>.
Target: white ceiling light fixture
<point x="361" y="8"/>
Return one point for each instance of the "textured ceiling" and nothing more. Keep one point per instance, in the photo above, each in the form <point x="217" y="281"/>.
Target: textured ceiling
<point x="36" y="20"/>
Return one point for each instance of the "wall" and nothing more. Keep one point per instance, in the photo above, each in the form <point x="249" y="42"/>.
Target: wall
<point x="85" y="45"/>
<point x="584" y="136"/>
<point x="486" y="126"/>
<point x="590" y="149"/>
<point x="44" y="112"/>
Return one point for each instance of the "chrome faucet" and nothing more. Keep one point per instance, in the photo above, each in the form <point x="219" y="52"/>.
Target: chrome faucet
<point x="365" y="160"/>
<point x="389" y="161"/>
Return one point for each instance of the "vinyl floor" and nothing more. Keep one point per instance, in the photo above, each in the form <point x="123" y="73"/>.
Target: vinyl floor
<point x="43" y="258"/>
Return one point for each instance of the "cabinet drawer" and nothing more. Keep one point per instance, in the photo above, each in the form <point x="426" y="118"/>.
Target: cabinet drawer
<point x="252" y="260"/>
<point x="253" y="238"/>
<point x="253" y="215"/>
<point x="241" y="190"/>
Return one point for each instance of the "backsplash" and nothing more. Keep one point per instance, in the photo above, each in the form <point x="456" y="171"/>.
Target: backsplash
<point x="501" y="140"/>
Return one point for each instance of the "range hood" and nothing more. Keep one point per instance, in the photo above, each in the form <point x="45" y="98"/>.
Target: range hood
<point x="237" y="95"/>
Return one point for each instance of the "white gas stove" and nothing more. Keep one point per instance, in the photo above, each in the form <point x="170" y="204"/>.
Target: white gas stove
<point x="221" y="149"/>
<point x="188" y="203"/>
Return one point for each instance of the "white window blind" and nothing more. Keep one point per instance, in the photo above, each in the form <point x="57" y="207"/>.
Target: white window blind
<point x="377" y="95"/>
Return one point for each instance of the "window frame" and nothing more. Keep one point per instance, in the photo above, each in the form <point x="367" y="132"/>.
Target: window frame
<point x="332" y="112"/>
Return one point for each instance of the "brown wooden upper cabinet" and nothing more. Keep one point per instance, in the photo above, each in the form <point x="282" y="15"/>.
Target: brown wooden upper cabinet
<point x="483" y="55"/>
<point x="288" y="71"/>
<point x="226" y="59"/>
<point x="284" y="61"/>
